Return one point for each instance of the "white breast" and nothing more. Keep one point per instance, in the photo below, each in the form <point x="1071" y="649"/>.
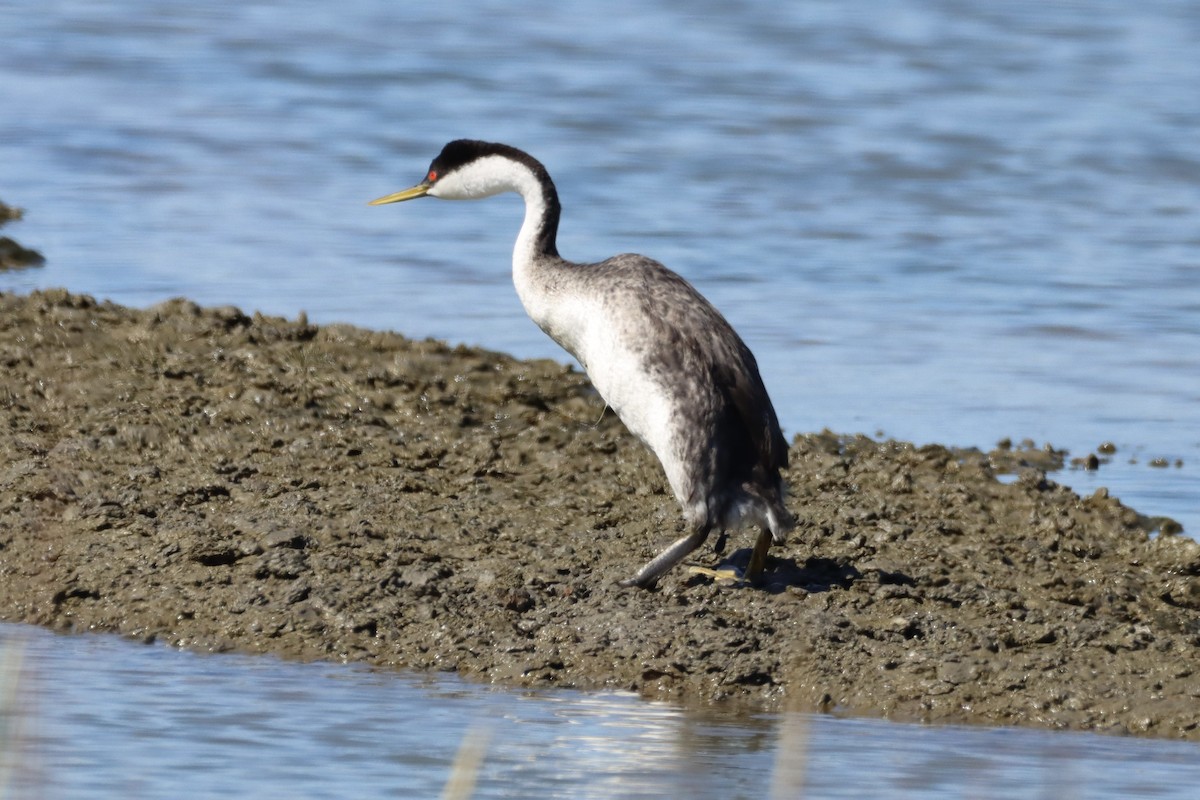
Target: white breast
<point x="593" y="334"/>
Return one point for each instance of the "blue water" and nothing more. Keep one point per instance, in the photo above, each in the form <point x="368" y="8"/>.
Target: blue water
<point x="97" y="716"/>
<point x="941" y="221"/>
<point x="944" y="222"/>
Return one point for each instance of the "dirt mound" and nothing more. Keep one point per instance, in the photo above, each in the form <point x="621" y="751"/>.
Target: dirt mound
<point x="233" y="482"/>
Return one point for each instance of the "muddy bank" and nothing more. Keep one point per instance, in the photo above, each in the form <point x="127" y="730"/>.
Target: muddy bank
<point x="231" y="482"/>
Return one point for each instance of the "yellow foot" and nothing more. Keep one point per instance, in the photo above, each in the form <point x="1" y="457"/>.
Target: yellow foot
<point x="727" y="574"/>
<point x="754" y="570"/>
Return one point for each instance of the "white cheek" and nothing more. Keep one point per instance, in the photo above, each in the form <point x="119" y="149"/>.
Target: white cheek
<point x="449" y="189"/>
<point x="483" y="178"/>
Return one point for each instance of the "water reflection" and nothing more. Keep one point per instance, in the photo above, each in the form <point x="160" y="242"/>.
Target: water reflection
<point x="97" y="716"/>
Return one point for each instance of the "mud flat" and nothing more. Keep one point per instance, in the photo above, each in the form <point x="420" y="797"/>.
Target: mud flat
<point x="230" y="482"/>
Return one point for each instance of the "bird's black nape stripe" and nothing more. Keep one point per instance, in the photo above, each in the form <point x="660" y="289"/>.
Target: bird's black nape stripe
<point x="461" y="152"/>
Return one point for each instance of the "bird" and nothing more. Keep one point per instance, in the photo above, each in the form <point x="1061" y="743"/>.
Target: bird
<point x="659" y="354"/>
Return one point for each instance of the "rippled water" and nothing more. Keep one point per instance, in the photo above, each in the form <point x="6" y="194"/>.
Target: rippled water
<point x="98" y="716"/>
<point x="945" y="221"/>
<point x="942" y="221"/>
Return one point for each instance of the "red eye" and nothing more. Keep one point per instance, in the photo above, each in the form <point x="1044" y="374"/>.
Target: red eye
<point x="432" y="176"/>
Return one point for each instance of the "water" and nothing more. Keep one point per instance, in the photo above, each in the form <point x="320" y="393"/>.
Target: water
<point x="98" y="716"/>
<point x="939" y="221"/>
<point x="946" y="222"/>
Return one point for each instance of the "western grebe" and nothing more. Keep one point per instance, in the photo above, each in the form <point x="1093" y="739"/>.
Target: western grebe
<point x="662" y="357"/>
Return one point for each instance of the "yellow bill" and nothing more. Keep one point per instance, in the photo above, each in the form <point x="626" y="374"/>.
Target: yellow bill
<point x="408" y="194"/>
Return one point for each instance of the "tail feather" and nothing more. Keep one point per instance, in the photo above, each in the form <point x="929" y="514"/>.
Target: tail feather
<point x="780" y="522"/>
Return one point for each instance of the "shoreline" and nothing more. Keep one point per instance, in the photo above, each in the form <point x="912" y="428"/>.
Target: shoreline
<point x="225" y="481"/>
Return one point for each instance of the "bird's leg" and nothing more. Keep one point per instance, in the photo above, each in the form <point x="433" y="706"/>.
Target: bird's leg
<point x="648" y="575"/>
<point x="758" y="557"/>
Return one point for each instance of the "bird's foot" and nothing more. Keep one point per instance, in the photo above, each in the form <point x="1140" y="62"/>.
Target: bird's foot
<point x="758" y="558"/>
<point x="722" y="575"/>
<point x="753" y="571"/>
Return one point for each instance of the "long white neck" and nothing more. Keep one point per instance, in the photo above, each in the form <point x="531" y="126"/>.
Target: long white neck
<point x="495" y="174"/>
<point x="535" y="254"/>
<point x="532" y="238"/>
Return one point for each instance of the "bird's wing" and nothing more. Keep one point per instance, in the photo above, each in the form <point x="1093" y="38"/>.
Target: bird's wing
<point x="698" y="331"/>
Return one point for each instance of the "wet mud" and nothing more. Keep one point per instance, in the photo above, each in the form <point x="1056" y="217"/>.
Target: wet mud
<point x="224" y="481"/>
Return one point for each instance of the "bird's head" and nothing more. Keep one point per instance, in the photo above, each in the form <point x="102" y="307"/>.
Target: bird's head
<point x="470" y="170"/>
